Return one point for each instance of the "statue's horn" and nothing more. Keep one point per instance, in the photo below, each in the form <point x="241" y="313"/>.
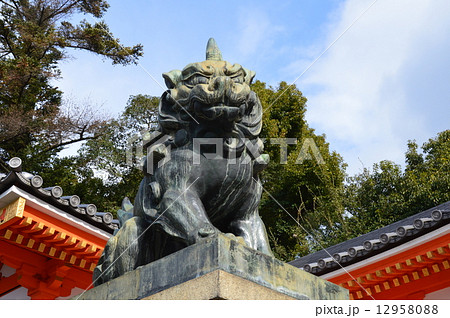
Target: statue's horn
<point x="212" y="51"/>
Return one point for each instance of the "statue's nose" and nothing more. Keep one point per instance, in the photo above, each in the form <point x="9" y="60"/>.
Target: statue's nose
<point x="221" y="84"/>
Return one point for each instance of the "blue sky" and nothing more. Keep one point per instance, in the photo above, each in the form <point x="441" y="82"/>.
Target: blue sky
<point x="384" y="81"/>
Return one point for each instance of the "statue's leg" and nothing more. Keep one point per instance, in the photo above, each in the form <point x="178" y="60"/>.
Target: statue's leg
<point x="248" y="223"/>
<point x="253" y="231"/>
<point x="124" y="252"/>
<point x="182" y="215"/>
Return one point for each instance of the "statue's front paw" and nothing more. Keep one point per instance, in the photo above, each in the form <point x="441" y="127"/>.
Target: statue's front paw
<point x="240" y="239"/>
<point x="207" y="231"/>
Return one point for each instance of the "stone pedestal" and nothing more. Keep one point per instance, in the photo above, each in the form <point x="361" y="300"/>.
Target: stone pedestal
<point x="217" y="268"/>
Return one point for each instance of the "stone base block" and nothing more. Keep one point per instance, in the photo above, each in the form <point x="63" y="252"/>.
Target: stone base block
<point x="219" y="285"/>
<point x="217" y="268"/>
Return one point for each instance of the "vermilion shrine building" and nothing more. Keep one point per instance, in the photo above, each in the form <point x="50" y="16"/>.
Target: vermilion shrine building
<point x="409" y="259"/>
<point x="49" y="243"/>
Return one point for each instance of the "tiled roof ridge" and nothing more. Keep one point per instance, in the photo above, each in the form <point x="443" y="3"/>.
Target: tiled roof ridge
<point x="375" y="242"/>
<point x="54" y="196"/>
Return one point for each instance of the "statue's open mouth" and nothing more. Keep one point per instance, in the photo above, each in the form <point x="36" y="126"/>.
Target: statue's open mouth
<point x="219" y="110"/>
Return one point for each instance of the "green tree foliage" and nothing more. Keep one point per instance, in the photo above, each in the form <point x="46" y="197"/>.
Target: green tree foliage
<point x="428" y="174"/>
<point x="387" y="194"/>
<point x="35" y="36"/>
<point x="375" y="199"/>
<point x="308" y="192"/>
<point x="108" y="167"/>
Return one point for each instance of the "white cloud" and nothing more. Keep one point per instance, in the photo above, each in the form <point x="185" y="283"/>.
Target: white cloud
<point x="106" y="85"/>
<point x="256" y="33"/>
<point x="367" y="93"/>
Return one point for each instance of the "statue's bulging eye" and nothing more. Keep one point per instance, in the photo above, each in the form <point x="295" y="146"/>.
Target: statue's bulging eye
<point x="201" y="80"/>
<point x="238" y="79"/>
<point x="196" y="80"/>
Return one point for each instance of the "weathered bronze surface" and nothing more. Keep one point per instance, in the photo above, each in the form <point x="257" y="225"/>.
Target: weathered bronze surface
<point x="201" y="170"/>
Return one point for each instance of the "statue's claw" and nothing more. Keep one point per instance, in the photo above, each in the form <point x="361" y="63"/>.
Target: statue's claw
<point x="126" y="211"/>
<point x="240" y="239"/>
<point x="206" y="231"/>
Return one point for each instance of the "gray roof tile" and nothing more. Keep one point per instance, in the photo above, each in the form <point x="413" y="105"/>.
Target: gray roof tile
<point x="53" y="195"/>
<point x="375" y="242"/>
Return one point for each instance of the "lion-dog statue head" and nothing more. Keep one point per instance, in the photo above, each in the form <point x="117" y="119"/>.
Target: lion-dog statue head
<point x="212" y="93"/>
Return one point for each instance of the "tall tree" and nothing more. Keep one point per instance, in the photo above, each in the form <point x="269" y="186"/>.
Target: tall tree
<point x="375" y="198"/>
<point x="387" y="194"/>
<point x="302" y="201"/>
<point x="105" y="175"/>
<point x="34" y="38"/>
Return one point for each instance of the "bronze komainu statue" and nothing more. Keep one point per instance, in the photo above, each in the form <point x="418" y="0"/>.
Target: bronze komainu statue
<point x="201" y="171"/>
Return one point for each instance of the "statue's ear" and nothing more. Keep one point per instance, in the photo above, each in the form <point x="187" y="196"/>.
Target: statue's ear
<point x="249" y="75"/>
<point x="172" y="78"/>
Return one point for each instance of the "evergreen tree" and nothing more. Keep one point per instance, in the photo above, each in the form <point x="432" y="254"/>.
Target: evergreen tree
<point x="387" y="194"/>
<point x="302" y="202"/>
<point x="107" y="168"/>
